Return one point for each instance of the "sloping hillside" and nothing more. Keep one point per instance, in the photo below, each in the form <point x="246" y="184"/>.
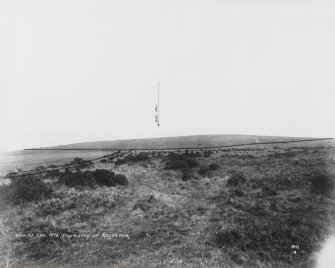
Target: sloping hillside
<point x="196" y="141"/>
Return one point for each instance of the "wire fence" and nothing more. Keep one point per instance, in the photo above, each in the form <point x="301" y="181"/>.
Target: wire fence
<point x="181" y="148"/>
<point x="83" y="163"/>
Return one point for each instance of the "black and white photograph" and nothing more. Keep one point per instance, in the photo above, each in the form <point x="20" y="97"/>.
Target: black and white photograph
<point x="167" y="134"/>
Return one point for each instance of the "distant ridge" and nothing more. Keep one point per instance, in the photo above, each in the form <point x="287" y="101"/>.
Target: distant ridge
<point x="191" y="142"/>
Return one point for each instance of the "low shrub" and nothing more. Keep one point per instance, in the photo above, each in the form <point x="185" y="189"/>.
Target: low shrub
<point x="227" y="237"/>
<point x="203" y="171"/>
<point x="286" y="154"/>
<point x="208" y="154"/>
<point x="53" y="173"/>
<point x="52" y="166"/>
<point x="78" y="179"/>
<point x="236" y="179"/>
<point x="321" y="183"/>
<point x="98" y="177"/>
<point x="213" y="167"/>
<point x="176" y="164"/>
<point x="142" y="156"/>
<point x="27" y="189"/>
<point x="77" y="160"/>
<point x="248" y="156"/>
<point x="120" y="179"/>
<point x="187" y="174"/>
<point x="12" y="174"/>
<point x="80" y="163"/>
<point x="177" y="161"/>
<point x="104" y="177"/>
<point x="238" y="192"/>
<point x="120" y="162"/>
<point x="207" y="170"/>
<point x="268" y="191"/>
<point x="40" y="168"/>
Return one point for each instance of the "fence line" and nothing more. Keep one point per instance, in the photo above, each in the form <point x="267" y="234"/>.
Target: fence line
<point x="90" y="162"/>
<point x="84" y="163"/>
<point x="178" y="148"/>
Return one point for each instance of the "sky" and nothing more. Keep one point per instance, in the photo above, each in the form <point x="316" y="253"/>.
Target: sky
<point x="84" y="70"/>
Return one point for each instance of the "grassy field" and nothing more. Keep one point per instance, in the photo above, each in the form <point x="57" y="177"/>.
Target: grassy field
<point x="247" y="207"/>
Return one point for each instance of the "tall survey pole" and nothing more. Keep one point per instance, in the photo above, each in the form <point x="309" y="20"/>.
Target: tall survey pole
<point x="158" y="105"/>
<point x="157" y="108"/>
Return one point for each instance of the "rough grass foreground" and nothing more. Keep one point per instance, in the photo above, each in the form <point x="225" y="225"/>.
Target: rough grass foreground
<point x="236" y="209"/>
